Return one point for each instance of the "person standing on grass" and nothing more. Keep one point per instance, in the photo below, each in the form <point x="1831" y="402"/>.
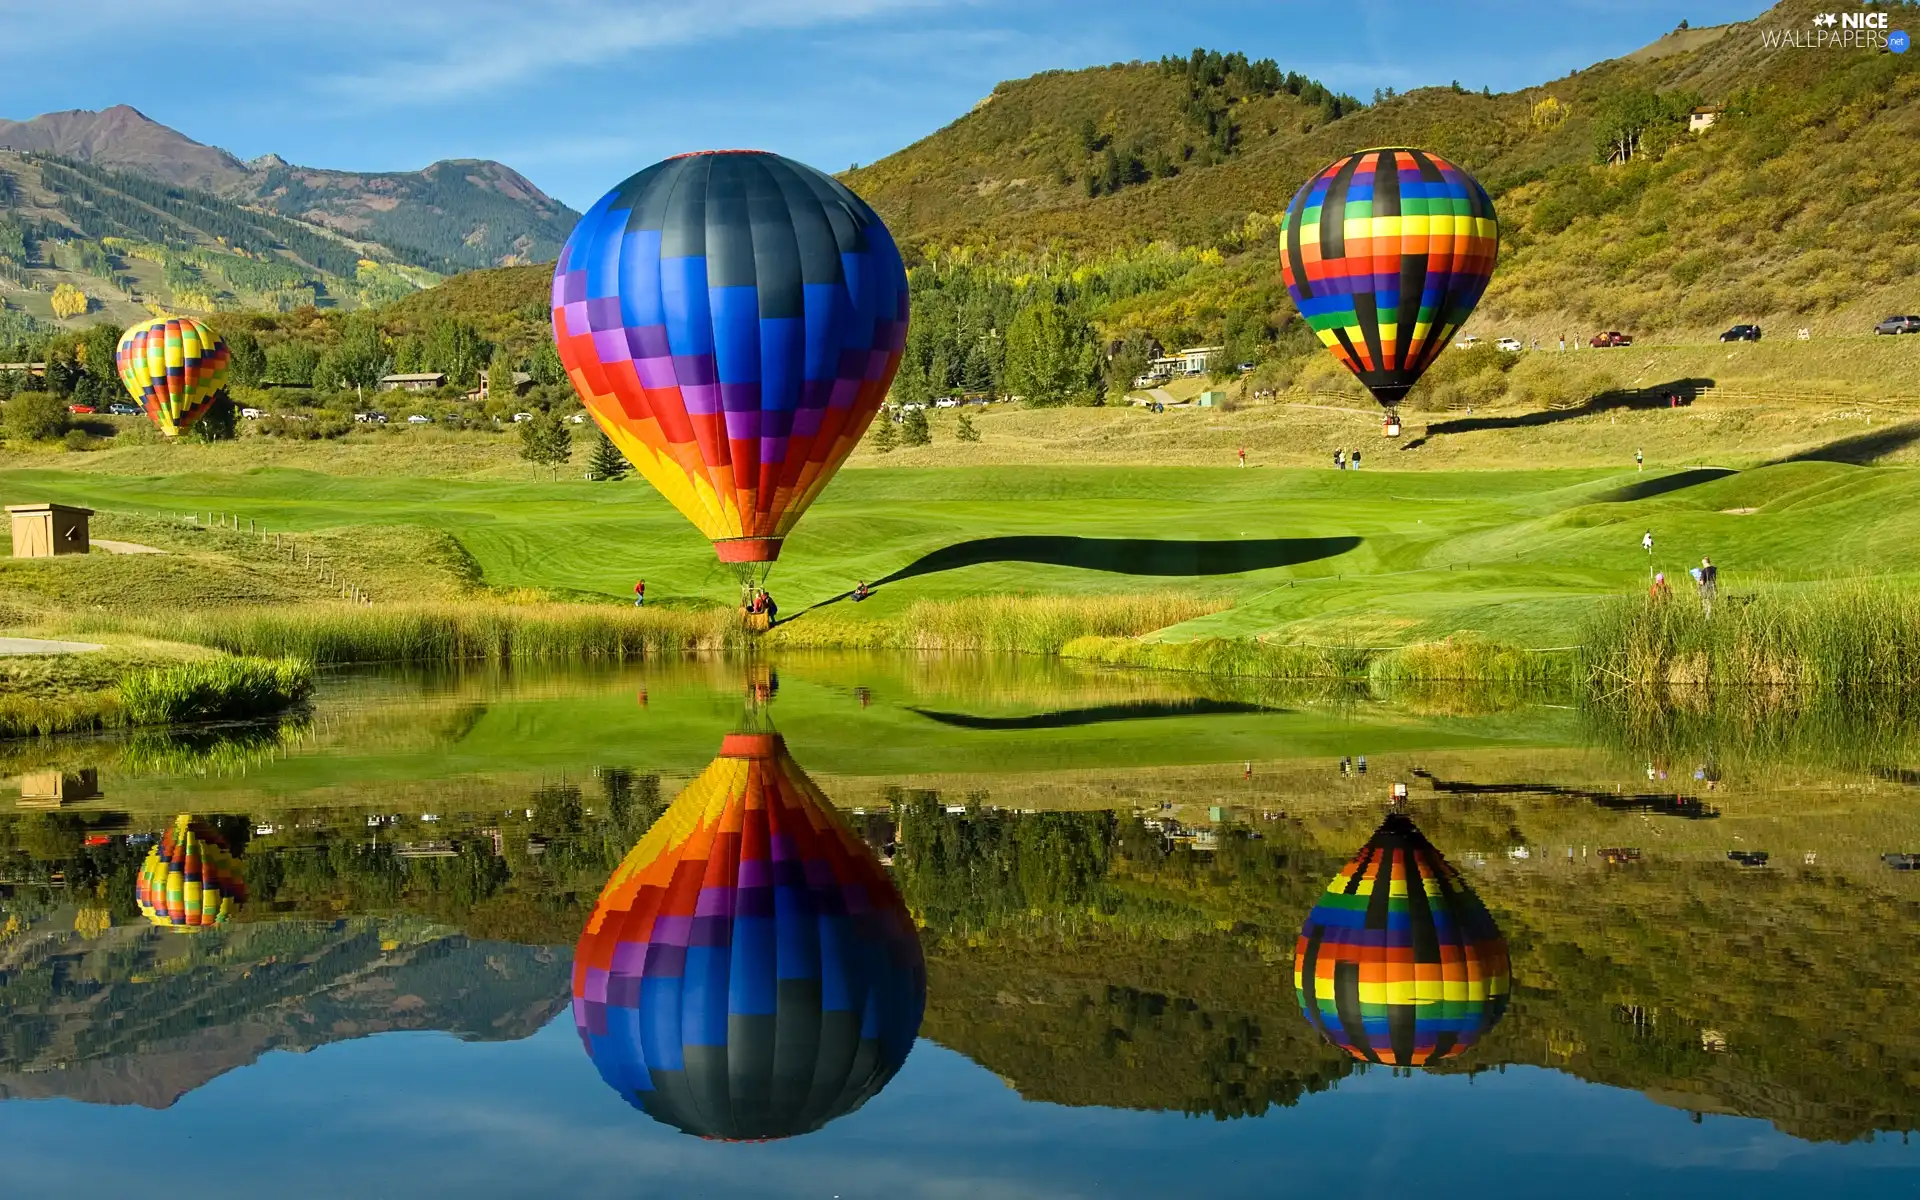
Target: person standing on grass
<point x="1709" y="583"/>
<point x="1339" y="460"/>
<point x="1353" y="460"/>
<point x="1243" y="456"/>
<point x="640" y="594"/>
<point x="1659" y="591"/>
<point x="1639" y="460"/>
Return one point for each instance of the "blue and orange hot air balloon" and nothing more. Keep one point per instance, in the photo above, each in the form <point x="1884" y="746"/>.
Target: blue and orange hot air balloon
<point x="1385" y="253"/>
<point x="750" y="971"/>
<point x="175" y="368"/>
<point x="1400" y="963"/>
<point x="732" y="320"/>
<point x="190" y="880"/>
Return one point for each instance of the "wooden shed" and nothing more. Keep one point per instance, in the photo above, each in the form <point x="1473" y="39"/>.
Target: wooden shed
<point x="44" y="530"/>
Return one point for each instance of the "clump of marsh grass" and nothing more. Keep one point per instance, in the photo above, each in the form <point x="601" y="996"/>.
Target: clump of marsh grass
<point x="1001" y="624"/>
<point x="346" y="633"/>
<point x="1471" y="658"/>
<point x="1233" y="657"/>
<point x="29" y="715"/>
<point x="1851" y="640"/>
<point x="214" y="689"/>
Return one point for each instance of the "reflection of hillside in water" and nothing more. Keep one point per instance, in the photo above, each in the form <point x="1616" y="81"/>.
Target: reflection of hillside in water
<point x="1140" y="958"/>
<point x="137" y="1016"/>
<point x="1091" y="960"/>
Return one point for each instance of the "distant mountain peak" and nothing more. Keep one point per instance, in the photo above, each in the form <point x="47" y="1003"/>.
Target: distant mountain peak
<point x="123" y="138"/>
<point x="474" y="212"/>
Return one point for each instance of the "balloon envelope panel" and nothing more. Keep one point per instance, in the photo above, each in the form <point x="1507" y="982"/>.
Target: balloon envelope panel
<point x="732" y="320"/>
<point x="1385" y="253"/>
<point x="174" y="367"/>
<point x="749" y="971"/>
<point x="1400" y="963"/>
<point x="190" y="880"/>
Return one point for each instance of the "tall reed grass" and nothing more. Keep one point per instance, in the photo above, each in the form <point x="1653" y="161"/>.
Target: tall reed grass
<point x="1857" y="641"/>
<point x="75" y="712"/>
<point x="1009" y="624"/>
<point x="1471" y="658"/>
<point x="1457" y="660"/>
<point x="1235" y="657"/>
<point x="214" y="689"/>
<point x="345" y="633"/>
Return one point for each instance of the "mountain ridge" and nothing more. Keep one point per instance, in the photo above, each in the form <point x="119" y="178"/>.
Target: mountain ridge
<point x="475" y="212"/>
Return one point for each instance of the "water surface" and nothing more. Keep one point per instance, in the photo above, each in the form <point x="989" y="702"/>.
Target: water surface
<point x="1106" y="874"/>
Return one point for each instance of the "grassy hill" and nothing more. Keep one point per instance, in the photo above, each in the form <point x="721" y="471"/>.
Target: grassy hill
<point x="1792" y="209"/>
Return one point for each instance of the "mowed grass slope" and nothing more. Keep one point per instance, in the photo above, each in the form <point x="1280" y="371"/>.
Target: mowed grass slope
<point x="1369" y="558"/>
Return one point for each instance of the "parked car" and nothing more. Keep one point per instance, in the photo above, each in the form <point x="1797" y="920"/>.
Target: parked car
<point x="1898" y="325"/>
<point x="578" y="418"/>
<point x="1612" y="337"/>
<point x="519" y="417"/>
<point x="120" y="408"/>
<point x="947" y="402"/>
<point x="370" y="418"/>
<point x="1510" y="345"/>
<point x="1466" y="343"/>
<point x="417" y="419"/>
<point x="80" y="408"/>
<point x="1742" y="333"/>
<point x="252" y="414"/>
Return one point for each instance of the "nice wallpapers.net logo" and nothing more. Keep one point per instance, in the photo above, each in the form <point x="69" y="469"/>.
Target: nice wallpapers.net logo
<point x="1840" y="31"/>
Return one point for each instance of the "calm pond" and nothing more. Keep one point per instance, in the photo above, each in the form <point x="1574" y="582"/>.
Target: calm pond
<point x="883" y="926"/>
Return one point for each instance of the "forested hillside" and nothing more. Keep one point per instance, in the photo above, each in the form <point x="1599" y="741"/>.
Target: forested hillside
<point x="78" y="239"/>
<point x="125" y="212"/>
<point x="1795" y="208"/>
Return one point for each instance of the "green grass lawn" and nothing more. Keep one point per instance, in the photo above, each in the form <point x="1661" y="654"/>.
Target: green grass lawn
<point x="1371" y="558"/>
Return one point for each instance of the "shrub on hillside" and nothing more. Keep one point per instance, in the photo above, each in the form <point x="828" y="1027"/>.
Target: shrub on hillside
<point x="36" y="417"/>
<point x="1552" y="380"/>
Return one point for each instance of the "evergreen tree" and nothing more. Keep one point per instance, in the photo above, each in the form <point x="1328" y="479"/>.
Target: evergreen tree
<point x="915" y="431"/>
<point x="606" y="462"/>
<point x="885" y="437"/>
<point x="966" y="432"/>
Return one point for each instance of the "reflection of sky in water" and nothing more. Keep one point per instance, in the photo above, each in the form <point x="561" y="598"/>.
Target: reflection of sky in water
<point x="426" y="1115"/>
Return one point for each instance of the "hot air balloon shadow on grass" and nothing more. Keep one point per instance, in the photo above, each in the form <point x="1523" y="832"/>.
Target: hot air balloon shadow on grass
<point x="732" y="320"/>
<point x="750" y="971"/>
<point x="1385" y="253"/>
<point x="190" y="880"/>
<point x="175" y="368"/>
<point x="1400" y="963"/>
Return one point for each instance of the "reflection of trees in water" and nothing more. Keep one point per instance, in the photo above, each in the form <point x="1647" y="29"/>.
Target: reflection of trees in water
<point x="1090" y="961"/>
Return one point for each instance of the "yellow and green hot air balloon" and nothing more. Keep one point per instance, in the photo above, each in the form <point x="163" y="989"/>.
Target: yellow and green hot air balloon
<point x="190" y="880"/>
<point x="175" y="367"/>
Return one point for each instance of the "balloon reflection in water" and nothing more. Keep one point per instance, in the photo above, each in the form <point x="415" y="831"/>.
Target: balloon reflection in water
<point x="1400" y="963"/>
<point x="190" y="880"/>
<point x="749" y="971"/>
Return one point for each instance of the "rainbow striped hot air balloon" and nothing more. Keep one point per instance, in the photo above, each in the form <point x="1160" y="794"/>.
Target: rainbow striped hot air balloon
<point x="1399" y="963"/>
<point x="175" y="367"/>
<point x="732" y="320"/>
<point x="190" y="880"/>
<point x="749" y="972"/>
<point x="1385" y="253"/>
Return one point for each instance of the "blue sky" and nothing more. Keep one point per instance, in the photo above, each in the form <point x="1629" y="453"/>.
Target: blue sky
<point x="578" y="94"/>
